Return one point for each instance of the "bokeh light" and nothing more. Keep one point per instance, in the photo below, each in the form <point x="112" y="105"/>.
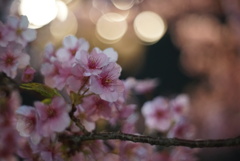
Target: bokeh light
<point x="94" y="14"/>
<point x="66" y="1"/>
<point x="59" y="29"/>
<point x="111" y="27"/>
<point x="149" y="26"/>
<point x="62" y="11"/>
<point x="123" y="4"/>
<point x="39" y="12"/>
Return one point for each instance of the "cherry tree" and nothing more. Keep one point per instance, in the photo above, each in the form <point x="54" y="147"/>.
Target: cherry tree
<point x="86" y="112"/>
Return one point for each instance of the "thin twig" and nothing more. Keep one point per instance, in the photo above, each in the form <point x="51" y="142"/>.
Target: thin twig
<point x="164" y="142"/>
<point x="76" y="120"/>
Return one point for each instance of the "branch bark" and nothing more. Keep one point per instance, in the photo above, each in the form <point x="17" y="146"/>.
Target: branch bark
<point x="76" y="120"/>
<point x="164" y="142"/>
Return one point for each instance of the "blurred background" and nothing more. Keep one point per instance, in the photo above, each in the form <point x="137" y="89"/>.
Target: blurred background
<point x="192" y="46"/>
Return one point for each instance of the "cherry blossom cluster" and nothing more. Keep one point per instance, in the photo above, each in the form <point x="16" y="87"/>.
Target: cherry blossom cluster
<point x="83" y="95"/>
<point x="14" y="37"/>
<point x="74" y="68"/>
<point x="9" y="102"/>
<point x="170" y="118"/>
<point x="92" y="82"/>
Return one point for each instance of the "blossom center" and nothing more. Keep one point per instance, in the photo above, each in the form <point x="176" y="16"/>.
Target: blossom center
<point x="178" y="109"/>
<point x="51" y="112"/>
<point x="106" y="81"/>
<point x="31" y="123"/>
<point x="19" y="31"/>
<point x="160" y="114"/>
<point x="100" y="105"/>
<point x="92" y="63"/>
<point x="180" y="131"/>
<point x="73" y="51"/>
<point x="9" y="60"/>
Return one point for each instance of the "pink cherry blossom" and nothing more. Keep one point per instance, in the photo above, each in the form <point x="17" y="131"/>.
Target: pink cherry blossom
<point x="146" y="85"/>
<point x="24" y="150"/>
<point x="76" y="79"/>
<point x="81" y="114"/>
<point x="3" y="38"/>
<point x="27" y="123"/>
<point x="9" y="101"/>
<point x="12" y="58"/>
<point x="141" y="86"/>
<point x="90" y="151"/>
<point x="183" y="154"/>
<point x="130" y="83"/>
<point x="122" y="109"/>
<point x="71" y="45"/>
<point x="49" y="53"/>
<point x="107" y="84"/>
<point x="28" y="74"/>
<point x="109" y="52"/>
<point x="96" y="108"/>
<point x="182" y="129"/>
<point x="125" y="110"/>
<point x="8" y="140"/>
<point x="160" y="156"/>
<point x="129" y="124"/>
<point x="129" y="151"/>
<point x="180" y="106"/>
<point x="53" y="117"/>
<point x="18" y="30"/>
<point x="55" y="75"/>
<point x="26" y="120"/>
<point x="93" y="62"/>
<point x="59" y="69"/>
<point x="157" y="114"/>
<point x="51" y="152"/>
<point x="110" y="157"/>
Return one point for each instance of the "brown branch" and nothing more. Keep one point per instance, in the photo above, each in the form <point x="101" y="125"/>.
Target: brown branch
<point x="77" y="120"/>
<point x="164" y="142"/>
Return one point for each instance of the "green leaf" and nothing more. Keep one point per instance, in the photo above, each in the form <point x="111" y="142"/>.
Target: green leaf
<point x="47" y="101"/>
<point x="44" y="90"/>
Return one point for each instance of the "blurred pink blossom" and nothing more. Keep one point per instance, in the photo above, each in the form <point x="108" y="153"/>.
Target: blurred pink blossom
<point x="182" y="129"/>
<point x="27" y="123"/>
<point x="141" y="86"/>
<point x="28" y="74"/>
<point x="18" y="30"/>
<point x="55" y="75"/>
<point x="76" y="79"/>
<point x="96" y="108"/>
<point x="183" y="154"/>
<point x="71" y="45"/>
<point x="3" y="38"/>
<point x="82" y="115"/>
<point x="146" y="85"/>
<point x="51" y="152"/>
<point x="49" y="54"/>
<point x="53" y="117"/>
<point x="12" y="57"/>
<point x="180" y="106"/>
<point x="91" y="151"/>
<point x="157" y="114"/>
<point x="129" y="151"/>
<point x="110" y="52"/>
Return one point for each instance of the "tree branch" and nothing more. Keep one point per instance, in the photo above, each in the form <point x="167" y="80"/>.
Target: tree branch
<point x="164" y="142"/>
<point x="76" y="120"/>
